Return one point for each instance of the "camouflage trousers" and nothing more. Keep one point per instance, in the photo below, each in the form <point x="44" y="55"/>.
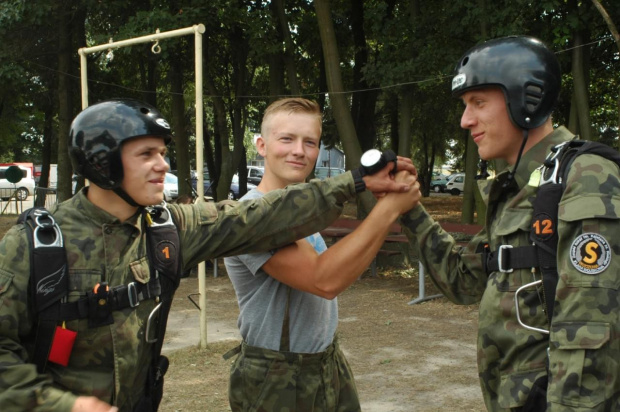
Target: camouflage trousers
<point x="263" y="380"/>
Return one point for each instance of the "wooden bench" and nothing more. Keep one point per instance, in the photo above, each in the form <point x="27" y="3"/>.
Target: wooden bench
<point x="342" y="227"/>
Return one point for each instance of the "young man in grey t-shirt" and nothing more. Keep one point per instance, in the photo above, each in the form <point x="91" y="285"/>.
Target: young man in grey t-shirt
<point x="289" y="359"/>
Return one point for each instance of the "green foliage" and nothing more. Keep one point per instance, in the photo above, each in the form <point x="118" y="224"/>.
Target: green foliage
<point x="409" y="52"/>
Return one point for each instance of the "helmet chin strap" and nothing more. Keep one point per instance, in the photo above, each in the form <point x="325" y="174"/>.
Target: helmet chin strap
<point x="123" y="195"/>
<point x="511" y="174"/>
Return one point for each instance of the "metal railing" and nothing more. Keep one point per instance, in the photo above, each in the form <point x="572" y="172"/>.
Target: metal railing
<point x="11" y="204"/>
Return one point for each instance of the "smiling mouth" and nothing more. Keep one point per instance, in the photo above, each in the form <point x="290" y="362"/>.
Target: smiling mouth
<point x="477" y="136"/>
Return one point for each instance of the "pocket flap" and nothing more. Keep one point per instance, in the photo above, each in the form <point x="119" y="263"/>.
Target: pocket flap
<point x="513" y="220"/>
<point x="588" y="207"/>
<point x="579" y="335"/>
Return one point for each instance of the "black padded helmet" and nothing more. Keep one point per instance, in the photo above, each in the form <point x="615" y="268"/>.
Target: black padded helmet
<point x="98" y="132"/>
<point x="523" y="67"/>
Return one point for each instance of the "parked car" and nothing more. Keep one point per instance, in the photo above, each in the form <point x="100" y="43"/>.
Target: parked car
<point x="24" y="188"/>
<point x="233" y="193"/>
<point x="438" y="183"/>
<point x="455" y="184"/>
<point x="255" y="174"/>
<point x="323" y="172"/>
<point x="171" y="187"/>
<point x="206" y="182"/>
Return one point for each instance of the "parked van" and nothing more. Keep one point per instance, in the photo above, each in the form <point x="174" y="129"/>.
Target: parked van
<point x="456" y="183"/>
<point x="25" y="187"/>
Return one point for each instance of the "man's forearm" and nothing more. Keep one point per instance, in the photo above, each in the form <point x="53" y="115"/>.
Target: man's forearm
<point x="276" y="219"/>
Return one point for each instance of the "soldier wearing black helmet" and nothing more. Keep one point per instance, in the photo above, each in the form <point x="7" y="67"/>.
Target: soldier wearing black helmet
<point x="117" y="274"/>
<point x="537" y="350"/>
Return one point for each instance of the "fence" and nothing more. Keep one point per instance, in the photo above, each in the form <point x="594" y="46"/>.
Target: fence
<point x="10" y="204"/>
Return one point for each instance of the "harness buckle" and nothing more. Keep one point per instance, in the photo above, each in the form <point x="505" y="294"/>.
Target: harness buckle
<point x="132" y="294"/>
<point x="47" y="224"/>
<point x="500" y="256"/>
<point x="552" y="160"/>
<point x="528" y="327"/>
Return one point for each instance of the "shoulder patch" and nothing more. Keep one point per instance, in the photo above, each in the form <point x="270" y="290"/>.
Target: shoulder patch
<point x="590" y="253"/>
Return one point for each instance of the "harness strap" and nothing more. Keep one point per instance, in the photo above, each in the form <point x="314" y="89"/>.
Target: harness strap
<point x="119" y="297"/>
<point x="544" y="235"/>
<point x="508" y="258"/>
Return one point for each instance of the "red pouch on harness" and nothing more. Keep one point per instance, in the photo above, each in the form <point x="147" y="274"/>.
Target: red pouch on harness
<point x="62" y="345"/>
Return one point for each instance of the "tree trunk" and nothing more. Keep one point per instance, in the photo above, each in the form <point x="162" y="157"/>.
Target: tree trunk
<point x="614" y="32"/>
<point x="580" y="85"/>
<point x="471" y="168"/>
<point x="65" y="101"/>
<point x="181" y="140"/>
<point x="241" y="48"/>
<point x="289" y="47"/>
<point x="222" y="146"/>
<point x="276" y="76"/>
<point x="46" y="160"/>
<point x="405" y="108"/>
<point x="364" y="101"/>
<point x="344" y="122"/>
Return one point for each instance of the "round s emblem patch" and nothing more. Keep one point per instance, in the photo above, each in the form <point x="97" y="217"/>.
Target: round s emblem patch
<point x="590" y="253"/>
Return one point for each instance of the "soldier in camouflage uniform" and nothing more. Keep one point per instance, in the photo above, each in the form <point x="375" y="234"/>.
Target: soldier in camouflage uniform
<point x="290" y="358"/>
<point x="509" y="87"/>
<point x="119" y="146"/>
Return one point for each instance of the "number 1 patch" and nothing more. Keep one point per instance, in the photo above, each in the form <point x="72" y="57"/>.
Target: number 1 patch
<point x="590" y="253"/>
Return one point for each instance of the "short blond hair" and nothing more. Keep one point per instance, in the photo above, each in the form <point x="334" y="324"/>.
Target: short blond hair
<point x="291" y="105"/>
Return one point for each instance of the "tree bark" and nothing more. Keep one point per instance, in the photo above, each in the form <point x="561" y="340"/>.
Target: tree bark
<point x="342" y="114"/>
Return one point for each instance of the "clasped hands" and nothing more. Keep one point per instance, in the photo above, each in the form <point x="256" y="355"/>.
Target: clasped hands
<point x="402" y="185"/>
<point x="386" y="180"/>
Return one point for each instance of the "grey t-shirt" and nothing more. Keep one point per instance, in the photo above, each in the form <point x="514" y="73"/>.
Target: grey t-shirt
<point x="262" y="302"/>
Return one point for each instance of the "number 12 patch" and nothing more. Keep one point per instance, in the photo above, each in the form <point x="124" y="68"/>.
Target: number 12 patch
<point x="590" y="253"/>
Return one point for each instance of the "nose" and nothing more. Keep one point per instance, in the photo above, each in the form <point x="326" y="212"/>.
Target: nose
<point x="467" y="119"/>
<point x="298" y="147"/>
<point x="162" y="164"/>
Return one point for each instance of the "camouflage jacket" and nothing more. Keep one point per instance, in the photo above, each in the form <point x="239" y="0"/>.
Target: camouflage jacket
<point x="111" y="362"/>
<point x="584" y="343"/>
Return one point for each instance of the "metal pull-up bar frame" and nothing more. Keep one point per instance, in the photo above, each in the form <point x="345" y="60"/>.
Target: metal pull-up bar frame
<point x="197" y="30"/>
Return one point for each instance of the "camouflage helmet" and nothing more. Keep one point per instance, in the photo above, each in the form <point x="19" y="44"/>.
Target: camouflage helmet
<point x="523" y="67"/>
<point x="98" y="132"/>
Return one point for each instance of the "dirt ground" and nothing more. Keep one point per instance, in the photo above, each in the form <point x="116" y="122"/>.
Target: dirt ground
<point x="404" y="357"/>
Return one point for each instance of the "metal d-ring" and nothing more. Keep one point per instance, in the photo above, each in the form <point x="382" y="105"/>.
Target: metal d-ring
<point x="532" y="328"/>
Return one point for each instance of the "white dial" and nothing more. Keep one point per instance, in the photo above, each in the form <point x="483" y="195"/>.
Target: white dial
<point x="370" y="158"/>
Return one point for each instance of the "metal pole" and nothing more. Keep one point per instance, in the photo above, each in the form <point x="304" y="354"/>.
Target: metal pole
<point x="144" y="39"/>
<point x="83" y="78"/>
<point x="202" y="277"/>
